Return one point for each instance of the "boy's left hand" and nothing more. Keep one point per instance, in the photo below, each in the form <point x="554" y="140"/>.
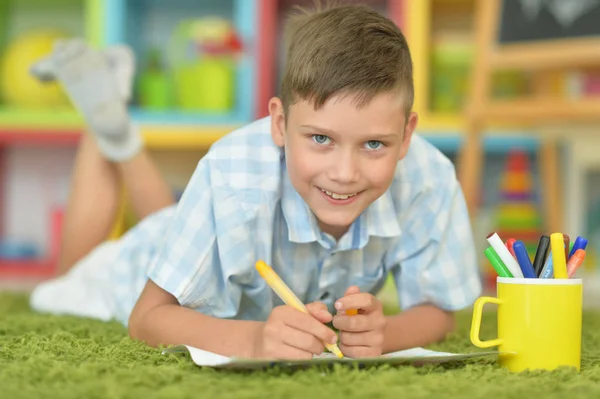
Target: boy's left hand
<point x="362" y="334"/>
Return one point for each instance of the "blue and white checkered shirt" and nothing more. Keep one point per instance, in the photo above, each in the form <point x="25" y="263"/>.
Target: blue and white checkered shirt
<point x="240" y="206"/>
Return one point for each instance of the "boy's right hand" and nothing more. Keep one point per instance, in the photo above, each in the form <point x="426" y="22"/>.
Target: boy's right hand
<point x="291" y="334"/>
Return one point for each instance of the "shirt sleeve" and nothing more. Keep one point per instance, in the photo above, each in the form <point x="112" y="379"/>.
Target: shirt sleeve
<point x="202" y="263"/>
<point x="435" y="260"/>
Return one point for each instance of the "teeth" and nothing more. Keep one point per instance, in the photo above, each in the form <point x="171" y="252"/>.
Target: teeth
<point x="338" y="196"/>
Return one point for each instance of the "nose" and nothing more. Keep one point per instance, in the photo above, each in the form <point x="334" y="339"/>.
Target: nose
<point x="344" y="168"/>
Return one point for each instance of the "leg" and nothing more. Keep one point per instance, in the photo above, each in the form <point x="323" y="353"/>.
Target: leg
<point x="95" y="198"/>
<point x="92" y="205"/>
<point x="146" y="188"/>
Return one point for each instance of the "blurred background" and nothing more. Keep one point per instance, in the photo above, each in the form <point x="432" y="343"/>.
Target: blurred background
<point x="205" y="67"/>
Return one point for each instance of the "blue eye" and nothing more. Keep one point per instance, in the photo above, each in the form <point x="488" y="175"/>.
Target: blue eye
<point x="320" y="139"/>
<point x="373" y="144"/>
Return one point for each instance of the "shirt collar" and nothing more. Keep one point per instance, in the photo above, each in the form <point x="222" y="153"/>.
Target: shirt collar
<point x="301" y="222"/>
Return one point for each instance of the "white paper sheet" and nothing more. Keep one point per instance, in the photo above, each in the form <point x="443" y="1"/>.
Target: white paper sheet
<point x="410" y="356"/>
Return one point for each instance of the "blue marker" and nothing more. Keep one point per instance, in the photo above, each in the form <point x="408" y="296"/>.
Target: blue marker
<point x="580" y="243"/>
<point x="548" y="270"/>
<point x="523" y="259"/>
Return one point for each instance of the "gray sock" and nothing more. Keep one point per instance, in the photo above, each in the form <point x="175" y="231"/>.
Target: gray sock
<point x="99" y="86"/>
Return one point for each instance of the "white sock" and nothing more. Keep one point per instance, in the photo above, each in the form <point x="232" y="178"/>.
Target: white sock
<point x="99" y="86"/>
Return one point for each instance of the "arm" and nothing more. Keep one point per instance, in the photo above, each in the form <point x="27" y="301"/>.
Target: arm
<point x="418" y="326"/>
<point x="288" y="333"/>
<point x="159" y="319"/>
<point x="189" y="297"/>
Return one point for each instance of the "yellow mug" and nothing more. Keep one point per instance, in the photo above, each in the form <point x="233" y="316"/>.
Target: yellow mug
<point x="539" y="323"/>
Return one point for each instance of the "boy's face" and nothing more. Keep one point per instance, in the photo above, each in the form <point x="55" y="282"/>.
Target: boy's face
<point x="342" y="158"/>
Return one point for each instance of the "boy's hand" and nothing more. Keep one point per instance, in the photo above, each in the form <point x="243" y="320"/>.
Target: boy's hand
<point x="362" y="334"/>
<point x="292" y="334"/>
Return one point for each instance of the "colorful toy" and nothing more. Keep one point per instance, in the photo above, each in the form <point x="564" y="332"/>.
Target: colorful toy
<point x="203" y="55"/>
<point x="155" y="84"/>
<point x="517" y="215"/>
<point x="18" y="87"/>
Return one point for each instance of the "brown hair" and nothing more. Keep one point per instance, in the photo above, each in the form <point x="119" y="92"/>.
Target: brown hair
<point x="348" y="50"/>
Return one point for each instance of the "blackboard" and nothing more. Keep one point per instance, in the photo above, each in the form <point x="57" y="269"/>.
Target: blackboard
<point x="539" y="20"/>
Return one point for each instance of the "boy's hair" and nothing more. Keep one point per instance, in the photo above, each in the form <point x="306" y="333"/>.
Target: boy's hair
<point x="348" y="50"/>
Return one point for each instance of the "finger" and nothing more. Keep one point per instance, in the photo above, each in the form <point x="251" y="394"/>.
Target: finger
<point x="287" y="352"/>
<point x="357" y="352"/>
<point x="362" y="301"/>
<point x="302" y="341"/>
<point x="369" y="338"/>
<point x="357" y="323"/>
<point x="319" y="311"/>
<point x="307" y="323"/>
<point x="353" y="289"/>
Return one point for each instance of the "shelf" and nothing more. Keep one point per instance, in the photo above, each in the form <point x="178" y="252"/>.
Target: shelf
<point x="62" y="118"/>
<point x="450" y="123"/>
<point x="183" y="138"/>
<point x="176" y="118"/>
<point x="491" y="144"/>
<point x="155" y="138"/>
<point x="26" y="269"/>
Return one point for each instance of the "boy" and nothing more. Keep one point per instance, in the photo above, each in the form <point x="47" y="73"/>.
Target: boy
<point x="332" y="190"/>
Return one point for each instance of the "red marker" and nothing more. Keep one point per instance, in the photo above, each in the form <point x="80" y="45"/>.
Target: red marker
<point x="509" y="244"/>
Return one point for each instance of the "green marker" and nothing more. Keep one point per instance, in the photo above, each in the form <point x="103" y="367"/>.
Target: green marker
<point x="497" y="263"/>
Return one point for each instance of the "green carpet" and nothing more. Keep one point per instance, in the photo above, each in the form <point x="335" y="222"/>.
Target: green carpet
<point x="65" y="357"/>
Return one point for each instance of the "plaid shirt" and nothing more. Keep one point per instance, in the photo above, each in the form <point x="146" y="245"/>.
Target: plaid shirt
<point x="240" y="206"/>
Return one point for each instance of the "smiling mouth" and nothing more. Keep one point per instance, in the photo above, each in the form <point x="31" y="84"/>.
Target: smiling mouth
<point x="338" y="196"/>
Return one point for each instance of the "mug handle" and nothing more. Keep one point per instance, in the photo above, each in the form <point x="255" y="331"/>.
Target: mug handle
<point x="476" y="323"/>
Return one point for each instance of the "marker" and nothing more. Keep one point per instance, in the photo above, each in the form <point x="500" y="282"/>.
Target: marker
<point x="509" y="244"/>
<point x="540" y="254"/>
<point x="505" y="255"/>
<point x="580" y="243"/>
<point x="566" y="240"/>
<point x="575" y="261"/>
<point x="287" y="296"/>
<point x="548" y="270"/>
<point x="523" y="259"/>
<point x="497" y="263"/>
<point x="557" y="245"/>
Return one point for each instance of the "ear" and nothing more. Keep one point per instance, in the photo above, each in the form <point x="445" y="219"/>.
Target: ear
<point x="277" y="121"/>
<point x="409" y="129"/>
